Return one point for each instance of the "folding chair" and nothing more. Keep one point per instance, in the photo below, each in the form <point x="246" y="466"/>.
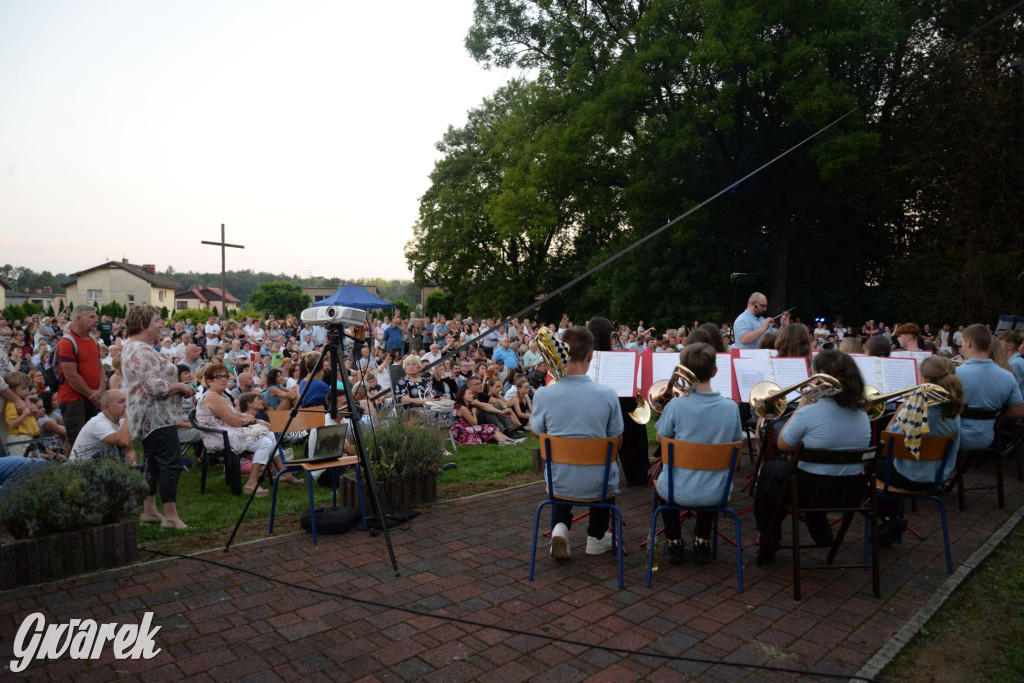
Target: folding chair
<point x="934" y="449"/>
<point x="967" y="459"/>
<point x="232" y="463"/>
<point x="860" y="456"/>
<point x="561" y="450"/>
<point x="699" y="456"/>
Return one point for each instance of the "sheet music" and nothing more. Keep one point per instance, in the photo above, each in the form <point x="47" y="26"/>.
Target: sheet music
<point x="757" y="353"/>
<point x="870" y="369"/>
<point x="750" y="371"/>
<point x="897" y="374"/>
<point x="722" y="381"/>
<point x="662" y="365"/>
<point x="789" y="371"/>
<point x="615" y="369"/>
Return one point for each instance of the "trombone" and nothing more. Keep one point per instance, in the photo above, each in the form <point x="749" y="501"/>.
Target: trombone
<point x="874" y="400"/>
<point x="768" y="401"/>
<point x="682" y="383"/>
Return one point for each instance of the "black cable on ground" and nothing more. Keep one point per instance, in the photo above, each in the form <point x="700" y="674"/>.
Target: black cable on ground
<point x="504" y="629"/>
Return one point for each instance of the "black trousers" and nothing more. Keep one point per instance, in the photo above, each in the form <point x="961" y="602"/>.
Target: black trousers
<point x="674" y="528"/>
<point x="813" y="490"/>
<point x="163" y="462"/>
<point x="633" y="454"/>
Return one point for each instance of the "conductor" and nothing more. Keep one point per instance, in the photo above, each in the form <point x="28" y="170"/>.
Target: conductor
<point x="751" y="323"/>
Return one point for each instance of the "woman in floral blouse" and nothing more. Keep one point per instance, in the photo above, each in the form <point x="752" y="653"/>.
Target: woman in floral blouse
<point x="154" y="402"/>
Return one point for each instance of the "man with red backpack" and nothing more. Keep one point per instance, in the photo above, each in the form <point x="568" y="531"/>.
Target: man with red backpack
<point x="79" y="373"/>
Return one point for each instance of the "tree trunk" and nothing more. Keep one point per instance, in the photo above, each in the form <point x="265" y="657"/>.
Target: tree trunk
<point x="778" y="266"/>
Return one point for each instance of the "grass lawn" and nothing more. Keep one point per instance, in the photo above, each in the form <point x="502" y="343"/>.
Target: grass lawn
<point x="978" y="635"/>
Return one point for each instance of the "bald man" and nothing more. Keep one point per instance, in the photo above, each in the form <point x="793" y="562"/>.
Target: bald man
<point x="751" y="324"/>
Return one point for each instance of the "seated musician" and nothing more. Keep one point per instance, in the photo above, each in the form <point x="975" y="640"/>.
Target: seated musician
<point x="1011" y="341"/>
<point x="705" y="416"/>
<point x="577" y="407"/>
<point x="919" y="476"/>
<point x="986" y="387"/>
<point x="837" y="422"/>
<point x="908" y="336"/>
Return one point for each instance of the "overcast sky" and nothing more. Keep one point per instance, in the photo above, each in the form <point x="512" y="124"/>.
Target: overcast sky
<point x="133" y="129"/>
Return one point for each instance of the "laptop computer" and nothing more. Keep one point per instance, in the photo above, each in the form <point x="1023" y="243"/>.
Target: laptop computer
<point x="325" y="443"/>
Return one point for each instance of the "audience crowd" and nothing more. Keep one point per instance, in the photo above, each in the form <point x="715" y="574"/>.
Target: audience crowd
<point x="482" y="389"/>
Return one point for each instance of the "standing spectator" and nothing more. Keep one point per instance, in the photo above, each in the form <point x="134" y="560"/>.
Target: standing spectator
<point x="213" y="333"/>
<point x="393" y="335"/>
<point x="106" y="329"/>
<point x="152" y="386"/>
<point x="78" y="357"/>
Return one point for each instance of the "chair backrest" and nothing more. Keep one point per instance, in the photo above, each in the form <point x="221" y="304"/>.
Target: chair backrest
<point x="933" y="448"/>
<point x="304" y="420"/>
<point x="700" y="456"/>
<point x="563" y="450"/>
<point x="209" y="430"/>
<point x="828" y="456"/>
<point x="395" y="372"/>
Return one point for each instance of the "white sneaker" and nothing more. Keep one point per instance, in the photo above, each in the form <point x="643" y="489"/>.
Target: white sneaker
<point x="560" y="542"/>
<point x="599" y="546"/>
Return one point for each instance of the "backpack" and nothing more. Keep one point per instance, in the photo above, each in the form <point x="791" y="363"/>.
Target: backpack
<point x="53" y="372"/>
<point x="331" y="520"/>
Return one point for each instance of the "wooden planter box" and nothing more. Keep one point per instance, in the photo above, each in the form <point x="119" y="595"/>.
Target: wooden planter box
<point x="55" y="556"/>
<point x="394" y="493"/>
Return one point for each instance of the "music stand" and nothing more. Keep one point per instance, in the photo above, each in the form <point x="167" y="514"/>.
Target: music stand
<point x="333" y="349"/>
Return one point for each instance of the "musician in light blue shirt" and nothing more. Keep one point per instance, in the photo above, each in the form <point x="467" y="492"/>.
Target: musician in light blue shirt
<point x="838" y="423"/>
<point x="578" y="407"/>
<point x="705" y="417"/>
<point x="1011" y="341"/>
<point x="986" y="387"/>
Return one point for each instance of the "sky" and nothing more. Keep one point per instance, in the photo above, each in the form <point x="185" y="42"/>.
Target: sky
<point x="134" y="129"/>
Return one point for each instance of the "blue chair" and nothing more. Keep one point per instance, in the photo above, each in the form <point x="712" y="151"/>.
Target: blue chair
<point x="699" y="456"/>
<point x="310" y="467"/>
<point x="583" y="452"/>
<point x="936" y="449"/>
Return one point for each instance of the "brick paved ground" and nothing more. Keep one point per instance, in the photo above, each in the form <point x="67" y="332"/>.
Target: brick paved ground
<point x="469" y="559"/>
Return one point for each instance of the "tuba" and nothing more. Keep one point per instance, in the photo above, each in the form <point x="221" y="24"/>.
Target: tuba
<point x="767" y="400"/>
<point x="874" y="400"/>
<point x="682" y="383"/>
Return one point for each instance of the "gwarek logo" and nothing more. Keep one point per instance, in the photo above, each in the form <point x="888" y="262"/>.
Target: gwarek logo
<point x="81" y="639"/>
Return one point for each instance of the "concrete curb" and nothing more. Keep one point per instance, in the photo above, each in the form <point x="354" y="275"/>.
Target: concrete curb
<point x="903" y="637"/>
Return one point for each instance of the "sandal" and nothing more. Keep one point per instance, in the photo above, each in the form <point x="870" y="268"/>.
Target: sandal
<point x="260" y="492"/>
<point x="292" y="481"/>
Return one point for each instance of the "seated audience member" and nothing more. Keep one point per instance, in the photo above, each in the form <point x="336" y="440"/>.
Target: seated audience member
<point x="246" y="434"/>
<point x="253" y="404"/>
<point x="705" y="417"/>
<point x="319" y="391"/>
<point x="578" y="407"/>
<point x="851" y="344"/>
<point x="442" y="383"/>
<point x="276" y="395"/>
<point x="21" y="423"/>
<point x="467" y="430"/>
<point x="49" y="426"/>
<point x="107" y="433"/>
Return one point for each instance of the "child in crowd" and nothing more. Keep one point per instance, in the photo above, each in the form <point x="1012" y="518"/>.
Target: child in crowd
<point x="21" y="424"/>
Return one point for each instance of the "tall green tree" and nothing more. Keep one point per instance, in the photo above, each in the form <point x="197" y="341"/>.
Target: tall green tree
<point x="279" y="298"/>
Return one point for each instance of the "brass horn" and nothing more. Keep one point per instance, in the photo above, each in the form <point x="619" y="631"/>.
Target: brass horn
<point x="682" y="383"/>
<point x="767" y="400"/>
<point x="874" y="400"/>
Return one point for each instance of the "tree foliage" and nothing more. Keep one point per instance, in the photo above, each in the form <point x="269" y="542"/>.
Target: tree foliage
<point x="279" y="298"/>
<point x="639" y="110"/>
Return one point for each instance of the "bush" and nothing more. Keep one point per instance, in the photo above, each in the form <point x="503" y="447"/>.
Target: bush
<point x="402" y="447"/>
<point x="52" y="497"/>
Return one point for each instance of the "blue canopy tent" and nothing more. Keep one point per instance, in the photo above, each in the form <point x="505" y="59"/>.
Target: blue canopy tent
<point x="354" y="297"/>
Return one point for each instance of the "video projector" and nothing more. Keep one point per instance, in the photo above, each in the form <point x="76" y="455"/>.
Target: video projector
<point x="334" y="315"/>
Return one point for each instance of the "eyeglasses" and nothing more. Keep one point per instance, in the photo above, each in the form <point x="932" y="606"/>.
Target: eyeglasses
<point x="220" y="376"/>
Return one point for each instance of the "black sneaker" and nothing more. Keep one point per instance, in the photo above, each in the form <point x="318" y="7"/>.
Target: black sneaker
<point x="890" y="530"/>
<point x="701" y="551"/>
<point x="675" y="551"/>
